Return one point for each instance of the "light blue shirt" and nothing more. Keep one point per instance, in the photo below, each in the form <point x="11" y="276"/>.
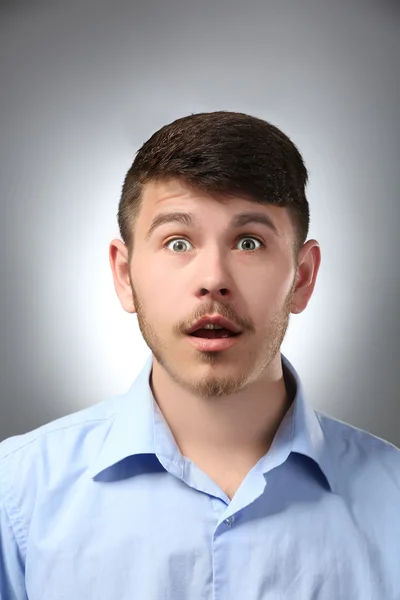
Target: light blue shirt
<point x="101" y="505"/>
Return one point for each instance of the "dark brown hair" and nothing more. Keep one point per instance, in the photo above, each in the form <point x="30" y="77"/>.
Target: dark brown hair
<point x="223" y="154"/>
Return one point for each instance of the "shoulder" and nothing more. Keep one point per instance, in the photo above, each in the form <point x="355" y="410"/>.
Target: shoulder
<point x="68" y="427"/>
<point x="45" y="463"/>
<point x="64" y="448"/>
<point x="360" y="457"/>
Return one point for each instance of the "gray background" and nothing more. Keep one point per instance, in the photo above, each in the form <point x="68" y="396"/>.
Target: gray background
<point x="83" y="86"/>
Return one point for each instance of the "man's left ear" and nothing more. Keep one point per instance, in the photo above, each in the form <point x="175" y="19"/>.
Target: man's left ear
<point x="308" y="266"/>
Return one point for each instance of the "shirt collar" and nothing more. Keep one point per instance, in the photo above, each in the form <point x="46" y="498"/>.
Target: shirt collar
<point x="308" y="437"/>
<point x="132" y="427"/>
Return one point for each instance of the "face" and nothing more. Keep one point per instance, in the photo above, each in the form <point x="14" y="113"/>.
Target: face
<point x="183" y="272"/>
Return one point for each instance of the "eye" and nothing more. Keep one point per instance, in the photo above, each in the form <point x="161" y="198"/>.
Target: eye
<point x="182" y="240"/>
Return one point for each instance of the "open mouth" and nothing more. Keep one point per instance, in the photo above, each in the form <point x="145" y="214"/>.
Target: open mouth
<point x="213" y="334"/>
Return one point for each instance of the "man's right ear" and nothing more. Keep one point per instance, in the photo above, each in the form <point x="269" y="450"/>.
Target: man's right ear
<point x="118" y="256"/>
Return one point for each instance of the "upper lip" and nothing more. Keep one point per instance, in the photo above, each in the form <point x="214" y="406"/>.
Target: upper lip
<point x="215" y="320"/>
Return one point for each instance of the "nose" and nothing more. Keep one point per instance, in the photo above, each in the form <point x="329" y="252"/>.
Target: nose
<point x="222" y="292"/>
<point x="212" y="276"/>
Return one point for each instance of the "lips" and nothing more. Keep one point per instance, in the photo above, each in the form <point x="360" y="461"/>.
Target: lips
<point x="214" y="320"/>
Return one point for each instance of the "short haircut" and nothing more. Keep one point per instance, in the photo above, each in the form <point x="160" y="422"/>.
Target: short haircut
<point x="224" y="154"/>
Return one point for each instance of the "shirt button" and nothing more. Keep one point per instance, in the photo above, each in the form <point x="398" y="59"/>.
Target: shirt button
<point x="228" y="522"/>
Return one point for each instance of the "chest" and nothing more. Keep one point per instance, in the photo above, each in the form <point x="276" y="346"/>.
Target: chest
<point x="162" y="539"/>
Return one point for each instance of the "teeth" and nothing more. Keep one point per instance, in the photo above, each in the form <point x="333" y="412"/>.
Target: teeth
<point x="211" y="326"/>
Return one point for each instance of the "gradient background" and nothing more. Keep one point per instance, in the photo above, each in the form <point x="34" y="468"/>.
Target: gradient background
<point x="83" y="85"/>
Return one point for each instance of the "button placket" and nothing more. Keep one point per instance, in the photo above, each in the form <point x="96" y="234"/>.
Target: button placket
<point x="228" y="522"/>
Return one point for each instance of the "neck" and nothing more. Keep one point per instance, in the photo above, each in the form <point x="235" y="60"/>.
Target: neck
<point x="242" y="425"/>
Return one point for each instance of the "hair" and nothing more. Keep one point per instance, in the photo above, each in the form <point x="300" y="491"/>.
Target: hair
<point x="224" y="154"/>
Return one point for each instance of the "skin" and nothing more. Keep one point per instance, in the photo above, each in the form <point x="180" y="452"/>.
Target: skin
<point x="222" y="405"/>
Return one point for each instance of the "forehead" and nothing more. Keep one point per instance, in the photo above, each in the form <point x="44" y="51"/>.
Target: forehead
<point x="173" y="195"/>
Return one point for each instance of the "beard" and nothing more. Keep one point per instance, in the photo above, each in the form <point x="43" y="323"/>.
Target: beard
<point x="254" y="362"/>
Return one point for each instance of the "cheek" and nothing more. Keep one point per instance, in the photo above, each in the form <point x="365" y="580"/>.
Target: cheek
<point x="270" y="286"/>
<point x="269" y="297"/>
<point x="160" y="281"/>
<point x="158" y="296"/>
<point x="149" y="278"/>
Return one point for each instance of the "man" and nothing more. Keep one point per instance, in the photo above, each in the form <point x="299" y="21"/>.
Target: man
<point x="212" y="477"/>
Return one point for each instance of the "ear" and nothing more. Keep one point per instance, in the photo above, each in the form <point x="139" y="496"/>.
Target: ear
<point x="120" y="270"/>
<point x="308" y="266"/>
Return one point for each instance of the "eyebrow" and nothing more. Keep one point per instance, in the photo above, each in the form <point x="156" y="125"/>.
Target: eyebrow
<point x="190" y="220"/>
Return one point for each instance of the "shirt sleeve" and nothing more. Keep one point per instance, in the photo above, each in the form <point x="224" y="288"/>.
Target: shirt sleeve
<point x="12" y="570"/>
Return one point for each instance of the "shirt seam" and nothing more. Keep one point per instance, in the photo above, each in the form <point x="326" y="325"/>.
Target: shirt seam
<point x="333" y="475"/>
<point x="15" y="518"/>
<point x="44" y="433"/>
